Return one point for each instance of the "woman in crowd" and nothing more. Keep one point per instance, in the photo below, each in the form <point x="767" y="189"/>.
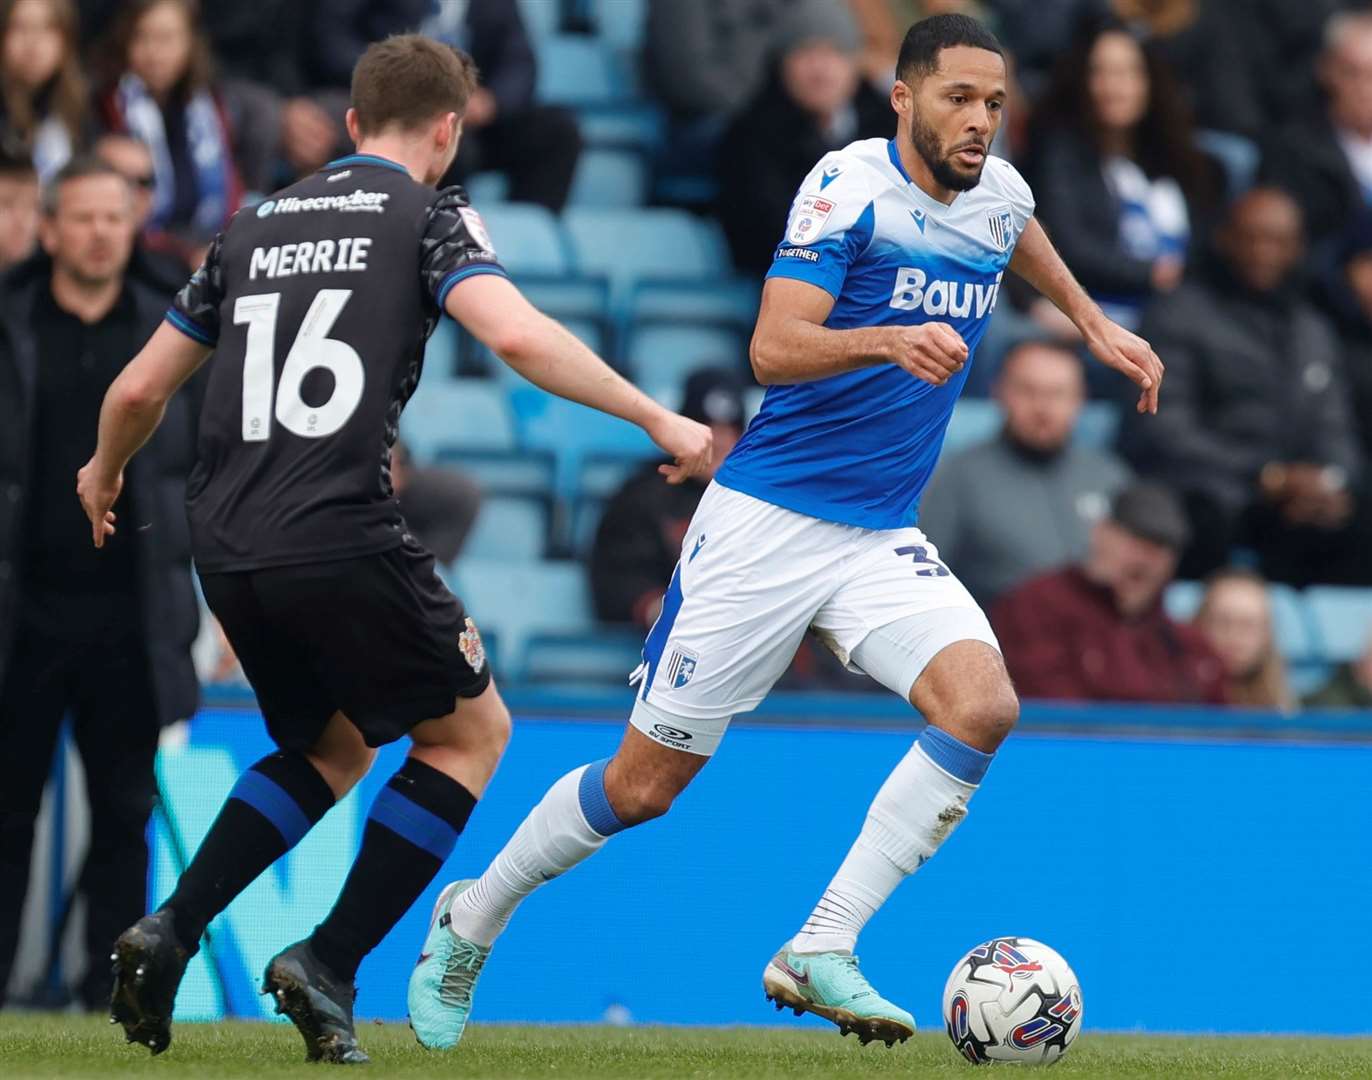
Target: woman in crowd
<point x="162" y="93"/>
<point x="1236" y="618"/>
<point x="43" y="96"/>
<point x="1119" y="182"/>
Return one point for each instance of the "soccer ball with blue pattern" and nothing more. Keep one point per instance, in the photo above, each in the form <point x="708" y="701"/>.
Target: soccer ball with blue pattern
<point x="1012" y="999"/>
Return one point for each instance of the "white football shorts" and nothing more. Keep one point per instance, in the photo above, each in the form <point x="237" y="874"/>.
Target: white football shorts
<point x="753" y="577"/>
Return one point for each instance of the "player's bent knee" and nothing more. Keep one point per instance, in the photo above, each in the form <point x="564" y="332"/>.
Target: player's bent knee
<point x="636" y="803"/>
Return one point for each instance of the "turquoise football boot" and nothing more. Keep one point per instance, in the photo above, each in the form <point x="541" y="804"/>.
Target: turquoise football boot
<point x="830" y="985"/>
<point x="440" y="995"/>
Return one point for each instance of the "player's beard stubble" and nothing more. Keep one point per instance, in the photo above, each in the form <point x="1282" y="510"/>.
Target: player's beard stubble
<point x="930" y="147"/>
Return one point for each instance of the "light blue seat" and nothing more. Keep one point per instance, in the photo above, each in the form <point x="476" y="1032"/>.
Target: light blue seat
<point x="527" y="238"/>
<point x="487" y="189"/>
<point x="621" y="22"/>
<point x="1342" y="619"/>
<point x="586" y="514"/>
<point x="664" y="354"/>
<point x="454" y="414"/>
<point x="1097" y="425"/>
<point x="541" y="17"/>
<point x="605" y="657"/>
<point x="602" y="475"/>
<point x="629" y="245"/>
<point x="512" y="472"/>
<point x="711" y="301"/>
<point x="1182" y="600"/>
<point x="573" y="432"/>
<point x="566" y="297"/>
<point x="519" y="600"/>
<point x="974" y="420"/>
<point x="511" y="528"/>
<point x="576" y="70"/>
<point x="606" y="177"/>
<point x="633" y="124"/>
<point x="441" y="351"/>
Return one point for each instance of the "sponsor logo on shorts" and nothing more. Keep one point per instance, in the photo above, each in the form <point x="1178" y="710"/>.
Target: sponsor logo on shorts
<point x="675" y="734"/>
<point x="681" y="667"/>
<point x="470" y="645"/>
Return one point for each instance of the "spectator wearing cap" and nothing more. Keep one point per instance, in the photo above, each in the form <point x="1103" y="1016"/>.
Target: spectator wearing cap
<point x="1097" y="631"/>
<point x="1030" y="474"/>
<point x="18" y="210"/>
<point x="815" y="100"/>
<point x="1257" y="435"/>
<point x="639" y="539"/>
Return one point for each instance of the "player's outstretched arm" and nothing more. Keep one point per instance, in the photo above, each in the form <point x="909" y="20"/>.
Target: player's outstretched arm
<point x="132" y="409"/>
<point x="1038" y="262"/>
<point x="551" y="357"/>
<point x="791" y="344"/>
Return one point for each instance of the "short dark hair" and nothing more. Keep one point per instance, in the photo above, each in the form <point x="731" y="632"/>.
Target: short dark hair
<point x="407" y="80"/>
<point x="78" y="168"/>
<point x="16" y="165"/>
<point x="919" y="52"/>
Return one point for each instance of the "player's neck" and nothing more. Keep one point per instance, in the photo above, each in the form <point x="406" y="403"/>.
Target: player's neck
<point x="404" y="152"/>
<point x="920" y="173"/>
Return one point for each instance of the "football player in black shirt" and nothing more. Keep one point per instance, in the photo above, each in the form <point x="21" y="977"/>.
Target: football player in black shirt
<point x="316" y="305"/>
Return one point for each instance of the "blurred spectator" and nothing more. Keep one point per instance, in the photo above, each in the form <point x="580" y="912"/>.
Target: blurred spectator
<point x="883" y="24"/>
<point x="132" y="160"/>
<point x="815" y="101"/>
<point x="18" y="210"/>
<point x="639" y="539"/>
<point x="1350" y="687"/>
<point x="439" y="505"/>
<point x="46" y="110"/>
<point x="1097" y="631"/>
<point x="1327" y="162"/>
<point x="1119" y="182"/>
<point x="1236" y="618"/>
<point x="1257" y="433"/>
<point x="504" y="129"/>
<point x="708" y="57"/>
<point x="162" y="92"/>
<point x="103" y="635"/>
<point x="1031" y="475"/>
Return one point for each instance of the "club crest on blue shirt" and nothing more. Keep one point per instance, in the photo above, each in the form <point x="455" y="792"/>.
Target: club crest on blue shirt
<point x="1002" y="225"/>
<point x="810" y="214"/>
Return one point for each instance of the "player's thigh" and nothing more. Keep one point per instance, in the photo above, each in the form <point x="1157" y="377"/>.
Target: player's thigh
<point x="276" y="660"/>
<point x="468" y="742"/>
<point x="391" y="645"/>
<point x="750" y="579"/>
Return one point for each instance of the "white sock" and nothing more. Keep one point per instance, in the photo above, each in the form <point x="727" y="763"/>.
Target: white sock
<point x="918" y="807"/>
<point x="571" y="823"/>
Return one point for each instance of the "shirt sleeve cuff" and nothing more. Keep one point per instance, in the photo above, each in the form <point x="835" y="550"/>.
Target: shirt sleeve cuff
<point x="811" y="273"/>
<point x="190" y="328"/>
<point x="446" y="285"/>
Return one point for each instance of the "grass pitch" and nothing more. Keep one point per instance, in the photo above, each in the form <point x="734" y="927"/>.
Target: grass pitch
<point x="35" y="1045"/>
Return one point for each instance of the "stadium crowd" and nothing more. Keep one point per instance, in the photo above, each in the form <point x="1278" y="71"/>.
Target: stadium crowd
<point x="1204" y="167"/>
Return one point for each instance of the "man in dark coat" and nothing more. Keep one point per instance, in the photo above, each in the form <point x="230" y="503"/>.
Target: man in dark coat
<point x="102" y="636"/>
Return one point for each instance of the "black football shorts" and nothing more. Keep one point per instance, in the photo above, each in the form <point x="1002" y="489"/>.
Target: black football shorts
<point x="379" y="638"/>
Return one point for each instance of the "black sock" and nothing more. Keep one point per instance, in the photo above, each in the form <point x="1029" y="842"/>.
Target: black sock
<point x="273" y="805"/>
<point x="411" y="830"/>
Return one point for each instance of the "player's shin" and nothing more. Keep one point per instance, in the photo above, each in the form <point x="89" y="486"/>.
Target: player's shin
<point x="918" y="807"/>
<point x="570" y="824"/>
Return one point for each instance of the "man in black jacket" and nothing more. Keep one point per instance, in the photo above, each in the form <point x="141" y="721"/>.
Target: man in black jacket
<point x="103" y="636"/>
<point x="1257" y="434"/>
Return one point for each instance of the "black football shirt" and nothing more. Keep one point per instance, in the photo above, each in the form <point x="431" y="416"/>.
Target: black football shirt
<point x="318" y="303"/>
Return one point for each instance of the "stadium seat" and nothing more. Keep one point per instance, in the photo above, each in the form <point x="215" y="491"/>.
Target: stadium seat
<point x="725" y="302"/>
<point x="541" y="17"/>
<point x="573" y="432"/>
<point x="1342" y="620"/>
<point x="511" y="528"/>
<point x="607" y="656"/>
<point x="527" y="238"/>
<point x="576" y="70"/>
<point x="629" y="245"/>
<point x="635" y="125"/>
<point x="513" y="472"/>
<point x="621" y="22"/>
<point x="604" y="474"/>
<point x="441" y="352"/>
<point x="518" y="600"/>
<point x="487" y="189"/>
<point x="455" y="414"/>
<point x="565" y="297"/>
<point x="586" y="514"/>
<point x="607" y="177"/>
<point x="1097" y="426"/>
<point x="663" y="354"/>
<point x="1182" y="599"/>
<point x="974" y="421"/>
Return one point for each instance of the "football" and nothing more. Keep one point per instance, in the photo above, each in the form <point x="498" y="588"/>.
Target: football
<point x="1012" y="999"/>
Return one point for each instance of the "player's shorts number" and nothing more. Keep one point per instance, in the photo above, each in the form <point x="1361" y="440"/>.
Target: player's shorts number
<point x="313" y="348"/>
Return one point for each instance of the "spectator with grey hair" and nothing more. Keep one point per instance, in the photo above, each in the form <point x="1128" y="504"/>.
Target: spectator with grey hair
<point x="102" y="635"/>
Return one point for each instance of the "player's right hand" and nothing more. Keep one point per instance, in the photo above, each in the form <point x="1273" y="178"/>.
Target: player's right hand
<point x="933" y="351"/>
<point x="690" y="445"/>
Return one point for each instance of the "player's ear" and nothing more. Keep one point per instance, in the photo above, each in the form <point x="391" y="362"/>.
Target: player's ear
<point x="350" y="122"/>
<point x="902" y="98"/>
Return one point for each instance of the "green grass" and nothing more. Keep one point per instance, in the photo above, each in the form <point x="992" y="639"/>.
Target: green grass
<point x="33" y="1045"/>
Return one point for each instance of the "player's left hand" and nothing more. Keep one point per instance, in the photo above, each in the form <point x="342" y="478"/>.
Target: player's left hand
<point x="1117" y="348"/>
<point x="691" y="446"/>
<point x="97" y="494"/>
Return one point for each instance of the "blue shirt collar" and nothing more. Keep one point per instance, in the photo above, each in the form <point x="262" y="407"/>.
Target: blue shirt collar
<point x="895" y="160"/>
<point x="367" y="159"/>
